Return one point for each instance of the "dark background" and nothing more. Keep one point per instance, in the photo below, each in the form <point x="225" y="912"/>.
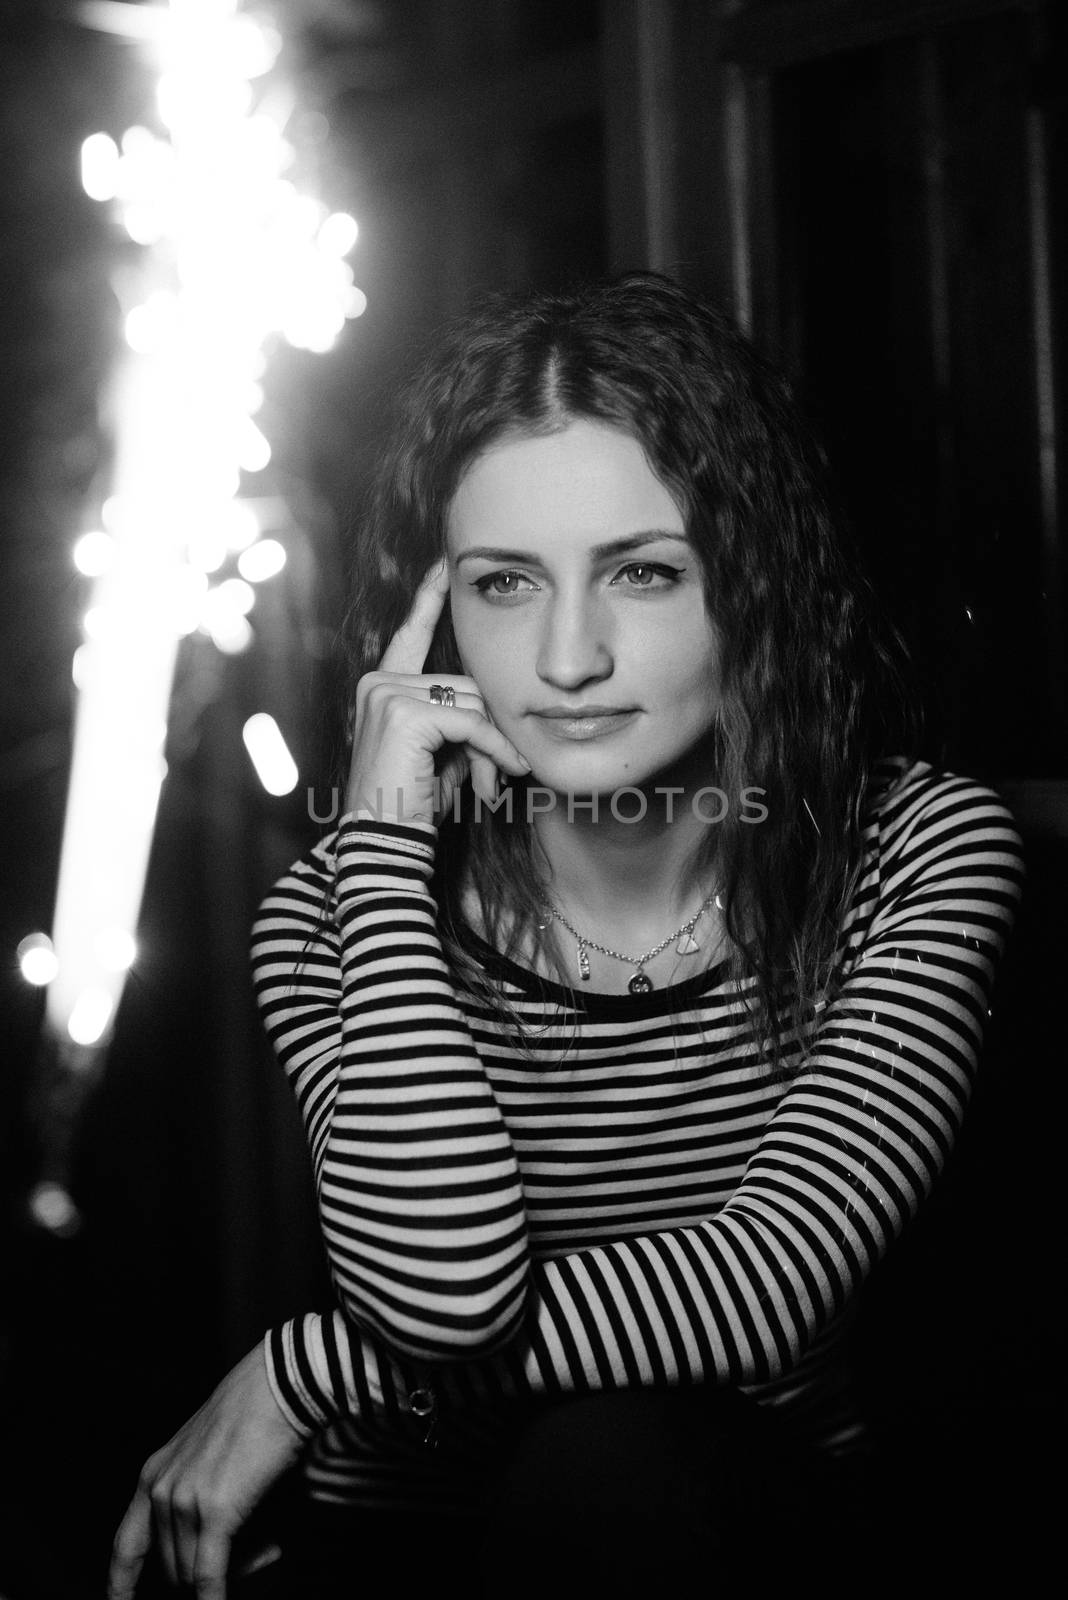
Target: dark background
<point x="869" y="185"/>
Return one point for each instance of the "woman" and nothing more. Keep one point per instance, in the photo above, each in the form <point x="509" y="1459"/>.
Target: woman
<point x="632" y="1008"/>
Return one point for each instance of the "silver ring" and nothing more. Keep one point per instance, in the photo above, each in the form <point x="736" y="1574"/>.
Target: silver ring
<point x="442" y="694"/>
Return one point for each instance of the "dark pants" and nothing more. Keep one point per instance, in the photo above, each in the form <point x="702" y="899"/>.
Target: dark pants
<point x="619" y="1495"/>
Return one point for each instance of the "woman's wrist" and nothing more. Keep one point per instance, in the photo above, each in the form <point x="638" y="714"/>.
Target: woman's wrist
<point x="322" y="1367"/>
<point x="363" y="821"/>
<point x="372" y="857"/>
<point x="282" y="1360"/>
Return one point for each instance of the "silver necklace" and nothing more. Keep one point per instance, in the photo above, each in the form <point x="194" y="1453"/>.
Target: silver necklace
<point x="640" y="983"/>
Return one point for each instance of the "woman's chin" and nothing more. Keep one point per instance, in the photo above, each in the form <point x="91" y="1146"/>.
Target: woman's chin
<point x="583" y="779"/>
<point x="584" y="771"/>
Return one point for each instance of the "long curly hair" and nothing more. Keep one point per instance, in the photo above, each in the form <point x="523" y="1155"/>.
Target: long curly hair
<point x="815" y="685"/>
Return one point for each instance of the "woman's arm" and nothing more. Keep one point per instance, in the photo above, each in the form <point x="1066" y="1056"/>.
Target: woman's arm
<point x="847" y="1158"/>
<point x="420" y="1200"/>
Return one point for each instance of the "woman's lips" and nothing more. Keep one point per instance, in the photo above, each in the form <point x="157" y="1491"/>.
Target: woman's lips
<point x="583" y="725"/>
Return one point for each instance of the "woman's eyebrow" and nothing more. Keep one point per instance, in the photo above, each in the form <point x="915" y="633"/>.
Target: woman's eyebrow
<point x="614" y="547"/>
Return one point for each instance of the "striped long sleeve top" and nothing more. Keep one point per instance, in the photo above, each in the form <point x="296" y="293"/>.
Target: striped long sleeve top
<point x="630" y="1199"/>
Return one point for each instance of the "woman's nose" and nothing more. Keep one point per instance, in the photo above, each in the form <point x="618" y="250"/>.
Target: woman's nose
<point x="575" y="647"/>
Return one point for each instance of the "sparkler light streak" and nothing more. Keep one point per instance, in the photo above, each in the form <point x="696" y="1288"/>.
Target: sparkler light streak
<point x="232" y="254"/>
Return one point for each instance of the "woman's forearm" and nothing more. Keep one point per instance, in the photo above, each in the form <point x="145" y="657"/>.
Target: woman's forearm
<point x="420" y="1200"/>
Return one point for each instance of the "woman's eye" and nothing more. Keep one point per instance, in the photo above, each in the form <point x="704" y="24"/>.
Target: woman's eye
<point x="644" y="575"/>
<point x="502" y="584"/>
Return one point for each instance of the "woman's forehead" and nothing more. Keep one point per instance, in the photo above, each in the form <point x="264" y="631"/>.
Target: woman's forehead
<point x="591" y="476"/>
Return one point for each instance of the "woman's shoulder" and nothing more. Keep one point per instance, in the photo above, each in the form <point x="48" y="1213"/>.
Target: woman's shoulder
<point x="909" y="798"/>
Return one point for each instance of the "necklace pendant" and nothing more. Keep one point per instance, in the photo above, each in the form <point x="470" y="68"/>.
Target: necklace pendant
<point x="584" y="963"/>
<point x="640" y="983"/>
<point x="687" y="945"/>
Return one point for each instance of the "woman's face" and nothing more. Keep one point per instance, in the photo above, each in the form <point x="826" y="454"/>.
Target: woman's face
<point x="578" y="608"/>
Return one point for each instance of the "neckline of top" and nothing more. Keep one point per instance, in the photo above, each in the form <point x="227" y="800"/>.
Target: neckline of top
<point x="580" y="997"/>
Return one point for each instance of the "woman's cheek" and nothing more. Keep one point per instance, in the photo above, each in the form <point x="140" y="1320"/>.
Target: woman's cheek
<point x="493" y="650"/>
<point x="462" y="631"/>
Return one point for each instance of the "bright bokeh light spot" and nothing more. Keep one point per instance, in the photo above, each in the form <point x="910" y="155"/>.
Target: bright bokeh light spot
<point x="261" y="560"/>
<point x="339" y="233"/>
<point x="94" y="553"/>
<point x="274" y="765"/>
<point x="52" y="1207"/>
<point x="116" y="949"/>
<point x="224" y="615"/>
<point x="230" y="632"/>
<point x="79" y="667"/>
<point x="97" y="622"/>
<point x="236" y="595"/>
<point x="38" y="962"/>
<point x="145" y="224"/>
<point x="253" y="449"/>
<point x="114" y="513"/>
<point x="90" y="1016"/>
<point x="207" y="550"/>
<point x="241" y="525"/>
<point x="254" y="46"/>
<point x="100" y="167"/>
<point x="304" y="214"/>
<point x="356" y="303"/>
<point x="187" y="600"/>
<point x="149" y="328"/>
<point x="188" y="101"/>
<point x="138" y="144"/>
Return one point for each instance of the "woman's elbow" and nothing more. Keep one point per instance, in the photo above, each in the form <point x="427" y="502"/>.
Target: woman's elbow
<point x="464" y="1328"/>
<point x="474" y="1343"/>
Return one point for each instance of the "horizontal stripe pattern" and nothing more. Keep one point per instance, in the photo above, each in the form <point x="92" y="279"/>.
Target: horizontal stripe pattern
<point x="630" y="1200"/>
<point x="420" y="1198"/>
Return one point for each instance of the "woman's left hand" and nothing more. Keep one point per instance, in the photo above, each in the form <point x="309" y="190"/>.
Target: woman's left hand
<point x="195" y="1493"/>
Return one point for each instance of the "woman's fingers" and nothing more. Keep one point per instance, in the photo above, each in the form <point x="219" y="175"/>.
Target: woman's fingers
<point x="418" y="686"/>
<point x="401" y="765"/>
<point x="195" y="1493"/>
<point x="182" y="1523"/>
<point x="465" y="695"/>
<point x="407" y="650"/>
<point x="168" y="1536"/>
<point x="441" y="725"/>
<point x="483" y="775"/>
<point x="193" y="1542"/>
<point x="396" y="695"/>
<point x="210" y="1565"/>
<point x="131" y="1546"/>
<point x="473" y="728"/>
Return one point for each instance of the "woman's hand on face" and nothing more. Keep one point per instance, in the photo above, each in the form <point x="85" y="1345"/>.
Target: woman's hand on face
<point x="409" y="755"/>
<point x="195" y="1493"/>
